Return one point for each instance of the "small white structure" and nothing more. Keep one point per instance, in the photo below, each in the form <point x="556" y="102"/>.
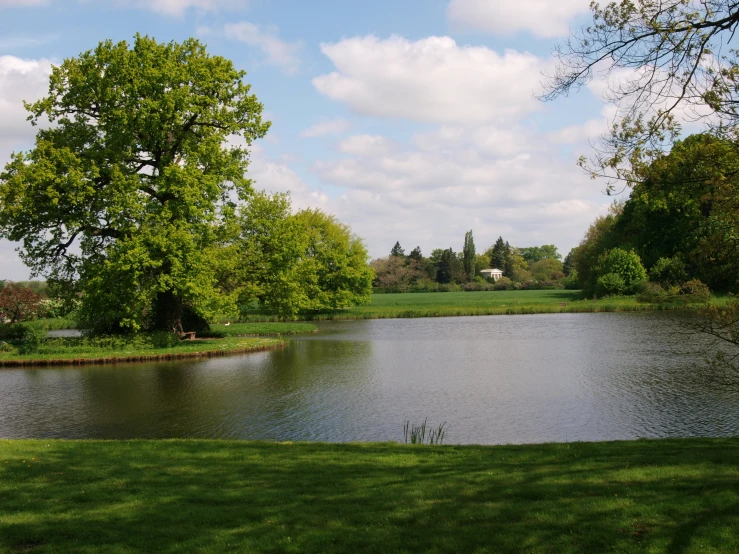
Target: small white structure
<point x="494" y="273"/>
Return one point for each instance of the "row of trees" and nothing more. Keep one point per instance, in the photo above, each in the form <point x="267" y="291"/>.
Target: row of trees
<point x="680" y="222"/>
<point x="445" y="269"/>
<point x="136" y="200"/>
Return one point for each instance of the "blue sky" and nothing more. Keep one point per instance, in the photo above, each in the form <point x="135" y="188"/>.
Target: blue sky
<point x="412" y="121"/>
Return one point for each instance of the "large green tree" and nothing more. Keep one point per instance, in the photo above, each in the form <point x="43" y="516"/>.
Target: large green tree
<point x="124" y="196"/>
<point x="289" y="264"/>
<point x="687" y="206"/>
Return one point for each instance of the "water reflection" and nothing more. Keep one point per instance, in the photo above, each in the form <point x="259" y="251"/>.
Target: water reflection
<point x="554" y="377"/>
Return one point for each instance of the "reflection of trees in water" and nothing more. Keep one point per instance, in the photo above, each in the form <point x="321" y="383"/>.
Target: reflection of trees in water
<point x="306" y="363"/>
<point x="657" y="385"/>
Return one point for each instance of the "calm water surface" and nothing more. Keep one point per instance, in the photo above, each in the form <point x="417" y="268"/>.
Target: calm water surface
<point x="498" y="379"/>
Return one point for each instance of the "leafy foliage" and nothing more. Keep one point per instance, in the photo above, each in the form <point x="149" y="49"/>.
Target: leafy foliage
<point x="294" y="263"/>
<point x="469" y="258"/>
<point x="675" y="56"/>
<point x="624" y="264"/>
<point x="125" y="195"/>
<point x="19" y="303"/>
<point x="610" y="284"/>
<point x="668" y="271"/>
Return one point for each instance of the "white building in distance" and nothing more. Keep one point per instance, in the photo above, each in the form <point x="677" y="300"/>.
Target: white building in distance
<point x="494" y="273"/>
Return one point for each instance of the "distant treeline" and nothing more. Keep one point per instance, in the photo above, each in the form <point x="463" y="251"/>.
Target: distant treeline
<point x="535" y="267"/>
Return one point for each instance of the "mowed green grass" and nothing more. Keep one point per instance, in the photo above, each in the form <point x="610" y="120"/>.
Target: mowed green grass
<point x="438" y="304"/>
<point x="263" y="329"/>
<point x="221" y="496"/>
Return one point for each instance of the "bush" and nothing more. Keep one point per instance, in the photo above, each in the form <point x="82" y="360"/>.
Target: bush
<point x="164" y="339"/>
<point x="32" y="340"/>
<point x="637" y="287"/>
<point x="694" y="292"/>
<point x="610" y="284"/>
<point x="572" y="281"/>
<point x="6" y="346"/>
<point x="14" y="332"/>
<point x="656" y="294"/>
<point x="504" y="283"/>
<point x="426" y="285"/>
<point x="626" y="265"/>
<point x="668" y="271"/>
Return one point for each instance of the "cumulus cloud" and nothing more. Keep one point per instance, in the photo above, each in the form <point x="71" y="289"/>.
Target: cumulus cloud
<point x="179" y="7"/>
<point x="544" y="18"/>
<point x="276" y="52"/>
<point x="331" y="127"/>
<point x="430" y="196"/>
<point x="19" y="80"/>
<point x="486" y="139"/>
<point x="365" y="145"/>
<point x="431" y="80"/>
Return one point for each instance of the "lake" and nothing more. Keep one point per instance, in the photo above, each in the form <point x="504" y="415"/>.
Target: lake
<point x="493" y="379"/>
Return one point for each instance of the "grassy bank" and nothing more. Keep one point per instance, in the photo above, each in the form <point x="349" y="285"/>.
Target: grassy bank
<point x="259" y="328"/>
<point x="212" y="496"/>
<point x="441" y="304"/>
<point x="67" y="351"/>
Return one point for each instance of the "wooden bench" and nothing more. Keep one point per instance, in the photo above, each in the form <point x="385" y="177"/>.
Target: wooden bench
<point x="181" y="333"/>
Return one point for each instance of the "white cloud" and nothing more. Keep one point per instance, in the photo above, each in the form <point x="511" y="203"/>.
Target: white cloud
<point x="591" y="130"/>
<point x="19" y="80"/>
<point x="432" y="80"/>
<point x="179" y="7"/>
<point x="323" y="128"/>
<point x="276" y="52"/>
<point x="544" y="18"/>
<point x="22" y="3"/>
<point x="365" y="145"/>
<point x="486" y="139"/>
<point x="431" y="196"/>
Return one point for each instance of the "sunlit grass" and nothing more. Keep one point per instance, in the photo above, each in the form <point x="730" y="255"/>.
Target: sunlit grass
<point x="443" y="304"/>
<point x="262" y="328"/>
<point x="221" y="496"/>
<point x="139" y="348"/>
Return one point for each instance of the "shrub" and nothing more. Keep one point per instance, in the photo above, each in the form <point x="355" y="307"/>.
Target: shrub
<point x="572" y="281"/>
<point x="504" y="283"/>
<point x="668" y="271"/>
<point x="164" y="339"/>
<point x="625" y="264"/>
<point x="637" y="287"/>
<point x="656" y="294"/>
<point x="6" y="347"/>
<point x="14" y="332"/>
<point x="694" y="292"/>
<point x="610" y="284"/>
<point x="32" y="340"/>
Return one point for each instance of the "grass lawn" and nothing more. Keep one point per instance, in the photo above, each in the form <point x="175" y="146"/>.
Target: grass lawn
<point x="221" y="496"/>
<point x="435" y="304"/>
<point x="263" y="328"/>
<point x="116" y="349"/>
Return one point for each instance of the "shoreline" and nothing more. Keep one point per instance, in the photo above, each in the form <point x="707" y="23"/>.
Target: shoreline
<point x="463" y="312"/>
<point x="133" y="358"/>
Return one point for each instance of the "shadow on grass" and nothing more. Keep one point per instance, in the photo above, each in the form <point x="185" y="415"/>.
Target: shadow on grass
<point x="212" y="496"/>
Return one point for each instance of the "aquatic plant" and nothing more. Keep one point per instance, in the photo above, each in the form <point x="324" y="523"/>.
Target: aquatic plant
<point x="417" y="434"/>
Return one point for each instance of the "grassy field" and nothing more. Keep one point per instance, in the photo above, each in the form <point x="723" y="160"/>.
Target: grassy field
<point x="261" y="328"/>
<point x="436" y="304"/>
<point x="221" y="496"/>
<point x="120" y="349"/>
